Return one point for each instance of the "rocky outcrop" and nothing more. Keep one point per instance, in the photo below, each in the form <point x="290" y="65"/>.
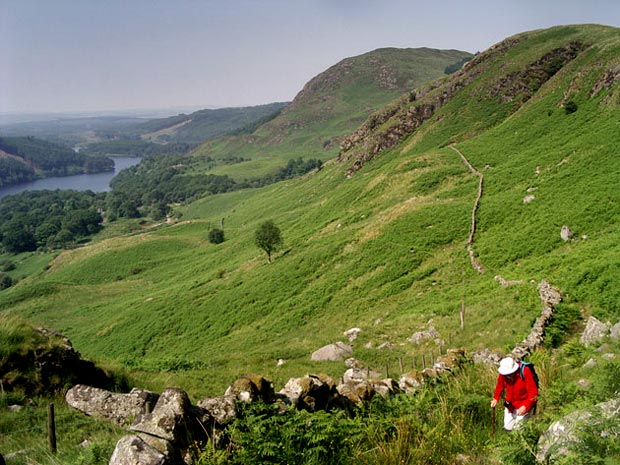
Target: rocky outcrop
<point x="121" y="409"/>
<point x="563" y="436"/>
<point x="392" y="124"/>
<point x="607" y="79"/>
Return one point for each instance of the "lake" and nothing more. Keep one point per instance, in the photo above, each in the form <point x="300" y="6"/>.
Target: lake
<point x="99" y="182"/>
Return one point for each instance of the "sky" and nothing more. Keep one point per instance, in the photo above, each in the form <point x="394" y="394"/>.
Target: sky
<point x="111" y="55"/>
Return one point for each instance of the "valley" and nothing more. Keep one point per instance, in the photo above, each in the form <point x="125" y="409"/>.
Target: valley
<point x="441" y="202"/>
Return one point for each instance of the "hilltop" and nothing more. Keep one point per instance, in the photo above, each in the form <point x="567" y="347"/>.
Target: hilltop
<point x="383" y="249"/>
<point x="328" y="108"/>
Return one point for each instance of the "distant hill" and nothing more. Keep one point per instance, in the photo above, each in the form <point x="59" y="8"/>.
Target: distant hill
<point x="205" y="124"/>
<point x="25" y="158"/>
<point x="329" y="107"/>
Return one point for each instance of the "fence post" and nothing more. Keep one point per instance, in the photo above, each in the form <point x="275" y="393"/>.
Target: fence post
<point x="51" y="428"/>
<point x="387" y="370"/>
<point x="400" y="364"/>
<point x="423" y="362"/>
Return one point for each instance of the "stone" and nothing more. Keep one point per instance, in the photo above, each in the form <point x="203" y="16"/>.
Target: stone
<point x="410" y="382"/>
<point x="358" y="375"/>
<point x="310" y="392"/>
<point x="529" y="198"/>
<point x="121" y="409"/>
<point x="352" y="333"/>
<point x="332" y="352"/>
<point x="592" y="363"/>
<point x="421" y="336"/>
<point x="250" y="388"/>
<point x="614" y="333"/>
<point x="168" y="419"/>
<point x="352" y="363"/>
<point x="595" y="332"/>
<point x="15" y="408"/>
<point x="222" y="409"/>
<point x="563" y="435"/>
<point x="566" y="233"/>
<point x="132" y="450"/>
<point x="386" y="345"/>
<point x="487" y="356"/>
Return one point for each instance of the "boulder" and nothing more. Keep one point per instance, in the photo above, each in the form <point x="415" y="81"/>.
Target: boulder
<point x="595" y="332"/>
<point x="614" y="333"/>
<point x="250" y="388"/>
<point x="410" y="382"/>
<point x="119" y="408"/>
<point x="222" y="409"/>
<point x="133" y="450"/>
<point x="563" y="435"/>
<point x="310" y="392"/>
<point x="452" y="360"/>
<point x="332" y="352"/>
<point x="169" y="420"/>
<point x="356" y="393"/>
<point x="422" y="336"/>
<point x="487" y="356"/>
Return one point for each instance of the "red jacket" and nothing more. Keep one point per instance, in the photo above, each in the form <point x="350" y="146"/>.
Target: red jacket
<point x="519" y="391"/>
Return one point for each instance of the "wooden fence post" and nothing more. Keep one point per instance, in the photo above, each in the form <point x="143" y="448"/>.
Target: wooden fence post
<point x="51" y="428"/>
<point x="400" y="364"/>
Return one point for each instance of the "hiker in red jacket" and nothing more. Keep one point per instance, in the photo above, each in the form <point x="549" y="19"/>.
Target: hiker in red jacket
<point x="521" y="392"/>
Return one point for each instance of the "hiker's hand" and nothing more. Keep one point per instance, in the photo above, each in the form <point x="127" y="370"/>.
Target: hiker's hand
<point x="493" y="403"/>
<point x="521" y="410"/>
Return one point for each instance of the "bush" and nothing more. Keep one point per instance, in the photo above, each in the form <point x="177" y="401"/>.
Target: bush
<point x="5" y="281"/>
<point x="570" y="107"/>
<point x="216" y="236"/>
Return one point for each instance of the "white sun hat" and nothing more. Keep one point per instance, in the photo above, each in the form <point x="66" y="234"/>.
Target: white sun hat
<point x="507" y="366"/>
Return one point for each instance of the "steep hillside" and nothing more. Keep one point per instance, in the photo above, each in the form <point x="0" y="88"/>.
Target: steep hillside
<point x="329" y="107"/>
<point x="379" y="239"/>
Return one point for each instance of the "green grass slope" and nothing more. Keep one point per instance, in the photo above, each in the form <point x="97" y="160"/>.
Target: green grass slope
<point x="329" y="107"/>
<point x="384" y="249"/>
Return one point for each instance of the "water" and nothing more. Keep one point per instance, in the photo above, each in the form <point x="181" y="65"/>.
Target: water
<point x="99" y="182"/>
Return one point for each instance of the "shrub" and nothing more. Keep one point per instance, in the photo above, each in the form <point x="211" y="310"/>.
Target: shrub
<point x="216" y="236"/>
<point x="570" y="107"/>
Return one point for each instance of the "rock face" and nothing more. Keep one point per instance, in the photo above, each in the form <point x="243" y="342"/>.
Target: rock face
<point x="563" y="435"/>
<point x="595" y="332"/>
<point x="119" y="408"/>
<point x="332" y="352"/>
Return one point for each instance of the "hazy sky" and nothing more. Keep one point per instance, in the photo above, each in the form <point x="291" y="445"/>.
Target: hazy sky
<point x="87" y="55"/>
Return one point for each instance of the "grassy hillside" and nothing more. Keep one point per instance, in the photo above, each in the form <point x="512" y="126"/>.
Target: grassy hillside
<point x="383" y="250"/>
<point x="329" y="107"/>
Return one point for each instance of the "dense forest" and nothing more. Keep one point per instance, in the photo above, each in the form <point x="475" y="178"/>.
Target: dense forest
<point x="48" y="219"/>
<point x="26" y="158"/>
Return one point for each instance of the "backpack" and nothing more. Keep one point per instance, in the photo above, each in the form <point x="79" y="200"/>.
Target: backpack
<point x="530" y="365"/>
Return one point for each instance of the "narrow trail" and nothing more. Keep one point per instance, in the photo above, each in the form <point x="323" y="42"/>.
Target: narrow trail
<point x="470" y="241"/>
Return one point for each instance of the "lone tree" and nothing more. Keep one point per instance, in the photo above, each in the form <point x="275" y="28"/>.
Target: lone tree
<point x="268" y="238"/>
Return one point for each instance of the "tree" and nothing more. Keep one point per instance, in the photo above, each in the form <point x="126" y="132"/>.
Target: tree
<point x="216" y="236"/>
<point x="268" y="238"/>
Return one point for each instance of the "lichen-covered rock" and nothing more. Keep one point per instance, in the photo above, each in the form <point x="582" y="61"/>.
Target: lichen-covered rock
<point x="133" y="450"/>
<point x="356" y="393"/>
<point x="250" y="388"/>
<point x="169" y="418"/>
<point x="332" y="352"/>
<point x="595" y="331"/>
<point x="222" y="409"/>
<point x="357" y="375"/>
<point x="452" y="360"/>
<point x="410" y="382"/>
<point x="614" y="333"/>
<point x="421" y="336"/>
<point x="352" y="333"/>
<point x="119" y="408"/>
<point x="310" y="392"/>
